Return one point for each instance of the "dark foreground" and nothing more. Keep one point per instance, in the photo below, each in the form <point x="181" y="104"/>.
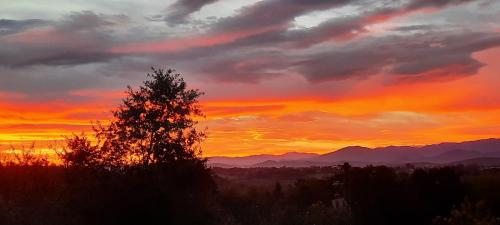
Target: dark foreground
<point x="191" y="194"/>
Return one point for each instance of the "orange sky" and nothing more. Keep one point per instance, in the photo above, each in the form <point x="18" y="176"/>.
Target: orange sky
<point x="398" y="114"/>
<point x="376" y="114"/>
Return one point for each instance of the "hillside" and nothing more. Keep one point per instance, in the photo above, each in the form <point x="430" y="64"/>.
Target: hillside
<point x="434" y="154"/>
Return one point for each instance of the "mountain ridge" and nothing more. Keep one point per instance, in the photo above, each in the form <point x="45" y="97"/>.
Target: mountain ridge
<point x="441" y="153"/>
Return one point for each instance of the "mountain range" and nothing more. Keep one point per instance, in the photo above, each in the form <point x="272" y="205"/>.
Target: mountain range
<point x="482" y="152"/>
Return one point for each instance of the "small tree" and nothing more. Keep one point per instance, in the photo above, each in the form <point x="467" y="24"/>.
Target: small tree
<point x="79" y="152"/>
<point x="29" y="156"/>
<point x="155" y="124"/>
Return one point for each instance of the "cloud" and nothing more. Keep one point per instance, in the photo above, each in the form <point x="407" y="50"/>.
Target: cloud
<point x="272" y="14"/>
<point x="181" y="9"/>
<point x="14" y="26"/>
<point x="342" y="29"/>
<point x="261" y="17"/>
<point x="408" y="56"/>
<point x="421" y="27"/>
<point x="248" y="68"/>
<point x="432" y="54"/>
<point x="79" y="38"/>
<point x="418" y="4"/>
<point x="337" y="29"/>
<point x="257" y="43"/>
<point x="246" y="30"/>
<point x="47" y="82"/>
<point x="89" y="21"/>
<point x="425" y="56"/>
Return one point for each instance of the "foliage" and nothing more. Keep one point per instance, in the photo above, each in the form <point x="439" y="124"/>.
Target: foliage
<point x="382" y="195"/>
<point x="184" y="193"/>
<point x="176" y="194"/>
<point x="469" y="214"/>
<point x="154" y="125"/>
<point x="81" y="152"/>
<point x="27" y="156"/>
<point x="374" y="195"/>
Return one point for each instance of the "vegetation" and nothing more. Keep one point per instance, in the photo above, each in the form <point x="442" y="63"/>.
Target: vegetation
<point x="145" y="167"/>
<point x="180" y="194"/>
<point x="155" y="125"/>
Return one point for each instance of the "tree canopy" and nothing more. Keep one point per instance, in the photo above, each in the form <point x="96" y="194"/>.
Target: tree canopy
<point x="155" y="124"/>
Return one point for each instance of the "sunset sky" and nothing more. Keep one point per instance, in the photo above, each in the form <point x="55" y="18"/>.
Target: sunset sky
<point x="278" y="75"/>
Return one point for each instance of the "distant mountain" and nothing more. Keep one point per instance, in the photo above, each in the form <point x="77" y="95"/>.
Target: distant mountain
<point x="435" y="154"/>
<point x="255" y="159"/>
<point x="290" y="163"/>
<point x="455" y="155"/>
<point x="479" y="161"/>
<point x="387" y="154"/>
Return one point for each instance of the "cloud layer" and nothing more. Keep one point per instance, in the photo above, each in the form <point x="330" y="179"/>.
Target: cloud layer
<point x="257" y="42"/>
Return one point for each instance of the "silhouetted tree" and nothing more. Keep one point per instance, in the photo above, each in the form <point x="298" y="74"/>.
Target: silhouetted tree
<point x="155" y="124"/>
<point x="29" y="156"/>
<point x="79" y="152"/>
<point x="278" y="191"/>
<point x="145" y="166"/>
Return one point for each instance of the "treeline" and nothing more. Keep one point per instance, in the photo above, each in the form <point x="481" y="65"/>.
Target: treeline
<point x="371" y="195"/>
<point x="180" y="193"/>
<point x="189" y="193"/>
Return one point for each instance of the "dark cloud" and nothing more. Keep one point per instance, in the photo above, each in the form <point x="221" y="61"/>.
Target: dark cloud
<point x="88" y="21"/>
<point x="47" y="82"/>
<point x="15" y="26"/>
<point x="283" y="39"/>
<point x="338" y="29"/>
<point x="247" y="68"/>
<point x="339" y="65"/>
<point x="181" y="9"/>
<point x="79" y="38"/>
<point x="272" y="14"/>
<point x="357" y="59"/>
<point x="87" y="37"/>
<point x="75" y="52"/>
<point x="342" y="28"/>
<point x="421" y="27"/>
<point x="418" y="4"/>
<point x="62" y="56"/>
<point x="269" y="22"/>
<point x="424" y="56"/>
<point x="69" y="58"/>
<point x="401" y="55"/>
